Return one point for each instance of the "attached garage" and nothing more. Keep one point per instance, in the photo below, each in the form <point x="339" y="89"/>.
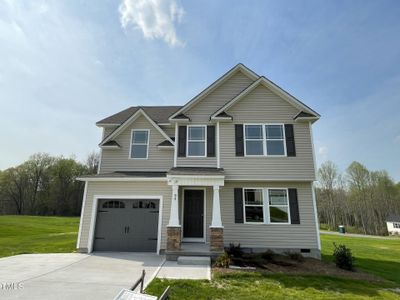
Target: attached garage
<point x="127" y="225"/>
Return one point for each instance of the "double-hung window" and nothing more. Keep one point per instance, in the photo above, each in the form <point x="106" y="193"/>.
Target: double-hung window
<point x="140" y="144"/>
<point x="253" y="205"/>
<point x="278" y="206"/>
<point x="264" y="140"/>
<point x="196" y="141"/>
<point x="396" y="225"/>
<point x="266" y="205"/>
<point x="254" y="139"/>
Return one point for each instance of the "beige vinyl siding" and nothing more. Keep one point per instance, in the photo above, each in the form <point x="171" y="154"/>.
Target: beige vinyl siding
<point x="263" y="106"/>
<point x="196" y="162"/>
<point x="114" y="188"/>
<point x="118" y="159"/>
<point x="169" y="130"/>
<point x="107" y="130"/>
<point x="202" y="111"/>
<point x="303" y="235"/>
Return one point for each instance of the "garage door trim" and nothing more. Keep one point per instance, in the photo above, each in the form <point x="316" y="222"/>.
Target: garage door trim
<point x="94" y="215"/>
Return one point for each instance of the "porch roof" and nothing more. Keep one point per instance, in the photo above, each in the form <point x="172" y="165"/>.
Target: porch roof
<point x="204" y="171"/>
<point x="125" y="175"/>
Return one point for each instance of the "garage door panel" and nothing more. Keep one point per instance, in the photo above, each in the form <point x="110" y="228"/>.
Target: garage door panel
<point x="127" y="225"/>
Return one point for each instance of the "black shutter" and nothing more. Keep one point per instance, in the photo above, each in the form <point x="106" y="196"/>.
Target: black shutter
<point x="294" y="207"/>
<point x="290" y="146"/>
<point x="211" y="141"/>
<point x="238" y="195"/>
<point x="239" y="140"/>
<point x="182" y="141"/>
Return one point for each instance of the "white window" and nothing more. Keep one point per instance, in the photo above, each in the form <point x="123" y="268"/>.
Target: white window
<point x="139" y="144"/>
<point x="275" y="139"/>
<point x="266" y="205"/>
<point x="196" y="141"/>
<point x="264" y="140"/>
<point x="253" y="206"/>
<point x="254" y="139"/>
<point x="278" y="206"/>
<point x="396" y="225"/>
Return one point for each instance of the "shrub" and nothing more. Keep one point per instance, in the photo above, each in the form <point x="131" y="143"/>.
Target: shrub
<point x="343" y="257"/>
<point x="235" y="250"/>
<point x="223" y="261"/>
<point x="268" y="255"/>
<point x="296" y="256"/>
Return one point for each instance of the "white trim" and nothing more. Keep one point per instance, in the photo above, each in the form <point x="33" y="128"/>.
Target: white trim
<point x="313" y="188"/>
<point x="269" y="179"/>
<point x="264" y="140"/>
<point x="94" y="216"/>
<point x="202" y="240"/>
<point x="107" y="124"/>
<point x="121" y="179"/>
<point x="78" y="242"/>
<point x="131" y="120"/>
<point x="265" y="205"/>
<point x="272" y="87"/>
<point x="218" y="147"/>
<point x="239" y="67"/>
<point x="196" y="141"/>
<point x="141" y="144"/>
<point x="110" y="147"/>
<point x="101" y="153"/>
<point x="176" y="145"/>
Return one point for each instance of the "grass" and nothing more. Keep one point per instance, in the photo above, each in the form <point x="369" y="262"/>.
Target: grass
<point x="377" y="256"/>
<point x="32" y="234"/>
<point x="349" y="229"/>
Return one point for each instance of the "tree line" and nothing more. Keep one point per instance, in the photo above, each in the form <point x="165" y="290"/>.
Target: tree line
<point x="359" y="198"/>
<point x="45" y="185"/>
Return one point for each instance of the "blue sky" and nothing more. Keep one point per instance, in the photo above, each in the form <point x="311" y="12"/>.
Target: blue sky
<point x="66" y="64"/>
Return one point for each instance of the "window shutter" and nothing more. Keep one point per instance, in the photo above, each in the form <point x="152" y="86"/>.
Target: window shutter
<point x="211" y="141"/>
<point x="182" y="141"/>
<point x="239" y="140"/>
<point x="238" y="195"/>
<point x="290" y="146"/>
<point x="294" y="207"/>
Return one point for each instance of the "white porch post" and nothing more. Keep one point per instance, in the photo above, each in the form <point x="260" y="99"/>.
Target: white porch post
<point x="174" y="215"/>
<point x="216" y="210"/>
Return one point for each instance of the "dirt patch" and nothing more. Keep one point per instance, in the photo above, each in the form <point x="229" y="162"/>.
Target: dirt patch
<point x="309" y="266"/>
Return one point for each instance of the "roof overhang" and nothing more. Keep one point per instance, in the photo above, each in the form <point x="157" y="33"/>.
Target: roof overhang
<point x="130" y="120"/>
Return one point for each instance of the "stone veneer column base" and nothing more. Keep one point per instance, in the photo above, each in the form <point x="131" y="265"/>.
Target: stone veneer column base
<point x="217" y="239"/>
<point x="173" y="238"/>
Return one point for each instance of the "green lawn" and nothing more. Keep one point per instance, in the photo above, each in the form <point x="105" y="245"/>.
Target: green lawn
<point x="31" y="234"/>
<point x="378" y="256"/>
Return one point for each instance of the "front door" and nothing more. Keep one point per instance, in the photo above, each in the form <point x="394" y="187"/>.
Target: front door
<point x="193" y="214"/>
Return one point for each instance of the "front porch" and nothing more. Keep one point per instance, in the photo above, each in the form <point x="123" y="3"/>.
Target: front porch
<point x="194" y="229"/>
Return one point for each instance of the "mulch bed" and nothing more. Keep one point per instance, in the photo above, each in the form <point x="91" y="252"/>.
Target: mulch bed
<point x="285" y="265"/>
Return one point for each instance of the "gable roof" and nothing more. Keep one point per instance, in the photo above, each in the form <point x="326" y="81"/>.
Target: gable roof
<point x="393" y="218"/>
<point x="238" y="68"/>
<point x="158" y="114"/>
<point x="129" y="121"/>
<point x="275" y="89"/>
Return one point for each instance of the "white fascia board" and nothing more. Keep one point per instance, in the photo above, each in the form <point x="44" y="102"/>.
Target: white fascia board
<point x="272" y="87"/>
<point x="107" y="124"/>
<point x="139" y="112"/>
<point x="121" y="179"/>
<point x="213" y="86"/>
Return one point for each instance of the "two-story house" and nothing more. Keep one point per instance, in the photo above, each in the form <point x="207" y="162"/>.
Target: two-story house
<point x="233" y="165"/>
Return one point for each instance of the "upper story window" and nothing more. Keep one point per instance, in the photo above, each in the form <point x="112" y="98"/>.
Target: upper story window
<point x="196" y="141"/>
<point x="264" y="139"/>
<point x="139" y="144"/>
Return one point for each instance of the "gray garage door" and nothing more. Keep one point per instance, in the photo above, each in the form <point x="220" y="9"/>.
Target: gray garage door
<point x="127" y="225"/>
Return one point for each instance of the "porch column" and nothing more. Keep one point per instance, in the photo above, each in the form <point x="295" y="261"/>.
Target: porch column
<point x="174" y="228"/>
<point x="216" y="228"/>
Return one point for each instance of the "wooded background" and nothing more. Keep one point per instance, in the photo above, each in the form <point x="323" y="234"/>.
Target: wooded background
<point x="46" y="185"/>
<point x="359" y="198"/>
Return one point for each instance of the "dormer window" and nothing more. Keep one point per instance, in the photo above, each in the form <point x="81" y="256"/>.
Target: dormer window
<point x="196" y="141"/>
<point x="139" y="144"/>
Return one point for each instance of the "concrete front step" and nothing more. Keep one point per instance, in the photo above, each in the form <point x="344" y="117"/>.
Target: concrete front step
<point x="194" y="260"/>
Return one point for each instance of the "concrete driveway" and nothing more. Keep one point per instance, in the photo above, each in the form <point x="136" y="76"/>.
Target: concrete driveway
<point x="73" y="275"/>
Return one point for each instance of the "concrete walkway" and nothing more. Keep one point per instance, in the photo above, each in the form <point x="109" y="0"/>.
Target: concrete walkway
<point x="172" y="270"/>
<point x="359" y="235"/>
<point x="73" y="275"/>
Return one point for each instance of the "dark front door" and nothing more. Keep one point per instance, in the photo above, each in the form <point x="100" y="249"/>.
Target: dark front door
<point x="193" y="214"/>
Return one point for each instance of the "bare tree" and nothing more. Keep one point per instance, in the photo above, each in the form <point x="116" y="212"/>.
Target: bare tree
<point x="92" y="162"/>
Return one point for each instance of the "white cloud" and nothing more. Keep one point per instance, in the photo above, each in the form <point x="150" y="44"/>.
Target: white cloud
<point x="155" y="18"/>
<point x="323" y="150"/>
